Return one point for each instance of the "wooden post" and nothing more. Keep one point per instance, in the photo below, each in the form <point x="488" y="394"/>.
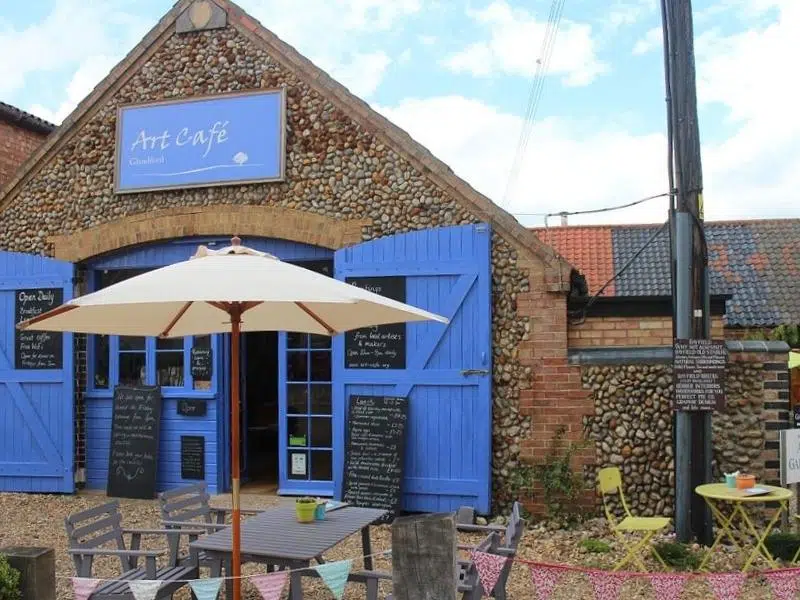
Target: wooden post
<point x="424" y="557"/>
<point x="37" y="568"/>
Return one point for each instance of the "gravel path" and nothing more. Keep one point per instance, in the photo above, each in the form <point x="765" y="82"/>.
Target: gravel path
<point x="37" y="520"/>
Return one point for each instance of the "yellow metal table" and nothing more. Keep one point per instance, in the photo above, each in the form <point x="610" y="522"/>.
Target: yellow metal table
<point x="718" y="496"/>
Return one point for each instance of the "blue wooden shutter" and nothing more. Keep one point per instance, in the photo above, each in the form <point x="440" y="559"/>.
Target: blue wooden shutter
<point x="36" y="405"/>
<point x="447" y="378"/>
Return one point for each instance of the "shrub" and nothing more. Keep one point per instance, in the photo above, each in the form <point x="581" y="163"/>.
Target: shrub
<point x="678" y="556"/>
<point x="9" y="581"/>
<point x="596" y="546"/>
<point x="783" y="545"/>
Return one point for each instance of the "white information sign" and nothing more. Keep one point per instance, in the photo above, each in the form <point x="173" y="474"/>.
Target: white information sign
<point x="298" y="464"/>
<point x="790" y="456"/>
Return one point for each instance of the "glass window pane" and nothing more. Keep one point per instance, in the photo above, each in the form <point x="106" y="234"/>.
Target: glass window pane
<point x="321" y="399"/>
<point x="169" y="369"/>
<point x="169" y="343"/>
<point x="297" y="367"/>
<point x="101" y="362"/>
<point x="298" y="431"/>
<point x="321" y="366"/>
<point x="131" y="368"/>
<point x="298" y="464"/>
<point x="130" y="342"/>
<point x="320" y="341"/>
<point x="296" y="340"/>
<point x="321" y="432"/>
<point x="297" y="399"/>
<point x="321" y="465"/>
<point x="202" y="341"/>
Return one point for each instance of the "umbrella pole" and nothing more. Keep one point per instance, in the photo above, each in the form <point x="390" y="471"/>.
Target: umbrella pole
<point x="236" y="570"/>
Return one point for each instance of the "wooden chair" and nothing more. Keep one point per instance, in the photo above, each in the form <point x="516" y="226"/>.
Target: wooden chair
<point x="609" y="481"/>
<point x="90" y="531"/>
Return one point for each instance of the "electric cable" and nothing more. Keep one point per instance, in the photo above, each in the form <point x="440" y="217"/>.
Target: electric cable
<point x="564" y="213"/>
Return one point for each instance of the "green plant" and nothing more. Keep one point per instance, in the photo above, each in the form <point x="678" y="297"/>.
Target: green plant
<point x="595" y="546"/>
<point x="9" y="581"/>
<point x="783" y="545"/>
<point x="306" y="500"/>
<point x="678" y="556"/>
<point x="782" y="333"/>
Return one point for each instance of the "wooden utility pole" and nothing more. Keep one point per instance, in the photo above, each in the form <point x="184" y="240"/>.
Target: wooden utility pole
<point x="692" y="305"/>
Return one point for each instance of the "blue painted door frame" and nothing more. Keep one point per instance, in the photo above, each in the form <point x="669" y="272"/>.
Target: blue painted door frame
<point x="448" y="370"/>
<point x="36" y="406"/>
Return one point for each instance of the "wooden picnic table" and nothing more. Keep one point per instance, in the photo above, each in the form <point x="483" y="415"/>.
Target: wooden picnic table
<point x="276" y="539"/>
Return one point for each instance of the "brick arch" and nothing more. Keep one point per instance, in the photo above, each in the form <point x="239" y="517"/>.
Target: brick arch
<point x="263" y="221"/>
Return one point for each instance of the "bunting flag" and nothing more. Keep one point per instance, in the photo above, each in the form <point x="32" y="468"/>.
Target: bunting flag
<point x="726" y="586"/>
<point x="144" y="589"/>
<point x="668" y="587"/>
<point x="206" y="589"/>
<point x="606" y="585"/>
<point x="784" y="583"/>
<point x="83" y="587"/>
<point x="270" y="586"/>
<point x="545" y="580"/>
<point x="334" y="574"/>
<point x="489" y="567"/>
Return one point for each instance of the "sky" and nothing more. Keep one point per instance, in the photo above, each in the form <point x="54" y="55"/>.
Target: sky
<point x="458" y="76"/>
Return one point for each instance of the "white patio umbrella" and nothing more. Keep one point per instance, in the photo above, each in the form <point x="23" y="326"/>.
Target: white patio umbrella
<point x="231" y="290"/>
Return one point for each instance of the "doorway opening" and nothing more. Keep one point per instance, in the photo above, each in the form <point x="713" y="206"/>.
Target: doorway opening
<point x="259" y="412"/>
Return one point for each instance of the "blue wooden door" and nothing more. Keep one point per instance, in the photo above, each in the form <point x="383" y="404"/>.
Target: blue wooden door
<point x="447" y="374"/>
<point x="36" y="398"/>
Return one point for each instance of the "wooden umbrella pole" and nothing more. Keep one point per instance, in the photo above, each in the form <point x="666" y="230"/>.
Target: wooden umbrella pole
<point x="236" y="568"/>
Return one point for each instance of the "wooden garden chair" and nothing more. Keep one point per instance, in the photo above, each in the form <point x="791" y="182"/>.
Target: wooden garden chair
<point x="91" y="531"/>
<point x="610" y="483"/>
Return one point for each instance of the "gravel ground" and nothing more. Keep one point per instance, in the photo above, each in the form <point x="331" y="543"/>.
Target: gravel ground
<point x="37" y="520"/>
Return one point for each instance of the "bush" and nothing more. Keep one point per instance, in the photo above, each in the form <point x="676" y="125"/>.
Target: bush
<point x="595" y="546"/>
<point x="9" y="581"/>
<point x="678" y="556"/>
<point x="783" y="545"/>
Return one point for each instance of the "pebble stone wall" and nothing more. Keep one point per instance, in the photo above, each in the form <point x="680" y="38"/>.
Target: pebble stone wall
<point x="334" y="167"/>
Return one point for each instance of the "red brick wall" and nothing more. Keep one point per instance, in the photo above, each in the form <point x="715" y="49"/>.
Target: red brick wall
<point x="16" y="145"/>
<point x="598" y="332"/>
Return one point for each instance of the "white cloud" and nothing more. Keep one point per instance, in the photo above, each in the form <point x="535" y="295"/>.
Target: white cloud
<point x="362" y="74"/>
<point x="515" y="38"/>
<point x="427" y="40"/>
<point x="628" y="12"/>
<point x="652" y="40"/>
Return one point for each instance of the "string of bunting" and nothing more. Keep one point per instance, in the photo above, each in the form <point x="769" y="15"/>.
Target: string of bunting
<point x="606" y="585"/>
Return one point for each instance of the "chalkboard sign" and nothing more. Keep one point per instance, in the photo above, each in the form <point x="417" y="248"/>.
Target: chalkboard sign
<point x="201" y="364"/>
<point x="37" y="349"/>
<point x="699" y="373"/>
<point x="193" y="457"/>
<point x="135" y="429"/>
<point x="382" y="347"/>
<point x="192" y="408"/>
<point x="375" y="446"/>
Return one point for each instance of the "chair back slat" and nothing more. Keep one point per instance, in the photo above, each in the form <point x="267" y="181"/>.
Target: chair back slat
<point x="96" y="527"/>
<point x="186" y="503"/>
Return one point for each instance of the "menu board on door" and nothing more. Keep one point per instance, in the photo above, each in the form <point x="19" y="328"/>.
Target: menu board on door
<point x="37" y="349"/>
<point x="382" y="347"/>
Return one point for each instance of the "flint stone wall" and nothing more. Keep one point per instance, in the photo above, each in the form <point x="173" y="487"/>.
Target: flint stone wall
<point x="334" y="167"/>
<point x="632" y="424"/>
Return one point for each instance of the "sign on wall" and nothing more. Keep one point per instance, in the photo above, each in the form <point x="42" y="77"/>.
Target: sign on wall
<point x="790" y="456"/>
<point x="213" y="140"/>
<point x="384" y="346"/>
<point x="37" y="349"/>
<point x="699" y="371"/>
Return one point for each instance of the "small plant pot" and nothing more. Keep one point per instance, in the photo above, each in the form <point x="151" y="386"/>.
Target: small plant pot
<point x="744" y="482"/>
<point x="305" y="511"/>
<point x="319" y="511"/>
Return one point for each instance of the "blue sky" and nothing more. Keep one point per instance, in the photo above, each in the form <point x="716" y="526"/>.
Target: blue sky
<point x="457" y="75"/>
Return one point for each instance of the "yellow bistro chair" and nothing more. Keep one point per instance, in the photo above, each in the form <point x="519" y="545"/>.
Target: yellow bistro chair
<point x="609" y="483"/>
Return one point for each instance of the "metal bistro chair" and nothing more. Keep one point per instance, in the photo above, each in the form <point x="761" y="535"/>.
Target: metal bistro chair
<point x="610" y="482"/>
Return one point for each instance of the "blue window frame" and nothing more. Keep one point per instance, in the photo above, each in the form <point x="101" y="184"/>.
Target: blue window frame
<point x="130" y="360"/>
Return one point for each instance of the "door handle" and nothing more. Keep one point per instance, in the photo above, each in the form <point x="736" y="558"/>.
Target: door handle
<point x="475" y="372"/>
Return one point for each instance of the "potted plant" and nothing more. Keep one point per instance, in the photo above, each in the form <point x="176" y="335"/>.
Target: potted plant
<point x="319" y="510"/>
<point x="304" y="508"/>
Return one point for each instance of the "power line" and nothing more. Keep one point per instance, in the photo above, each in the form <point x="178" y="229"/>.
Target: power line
<point x="593" y="210"/>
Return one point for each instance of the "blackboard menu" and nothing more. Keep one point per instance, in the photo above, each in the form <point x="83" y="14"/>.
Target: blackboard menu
<point x="192" y="408"/>
<point x="201" y="364"/>
<point x="382" y="347"/>
<point x="193" y="457"/>
<point x="37" y="349"/>
<point x="135" y="430"/>
<point x="699" y="373"/>
<point x="374" y="452"/>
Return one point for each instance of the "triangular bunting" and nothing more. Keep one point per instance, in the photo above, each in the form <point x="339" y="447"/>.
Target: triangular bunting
<point x="334" y="575"/>
<point x="270" y="586"/>
<point x="83" y="587"/>
<point x="206" y="589"/>
<point x="669" y="586"/>
<point x="489" y="567"/>
<point x="606" y="585"/>
<point x="784" y="583"/>
<point x="726" y="586"/>
<point x="545" y="580"/>
<point x="144" y="589"/>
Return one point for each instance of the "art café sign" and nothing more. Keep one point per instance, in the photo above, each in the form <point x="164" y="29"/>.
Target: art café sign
<point x="213" y="140"/>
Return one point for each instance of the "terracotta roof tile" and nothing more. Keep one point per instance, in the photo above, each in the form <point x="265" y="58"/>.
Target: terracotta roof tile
<point x="588" y="248"/>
